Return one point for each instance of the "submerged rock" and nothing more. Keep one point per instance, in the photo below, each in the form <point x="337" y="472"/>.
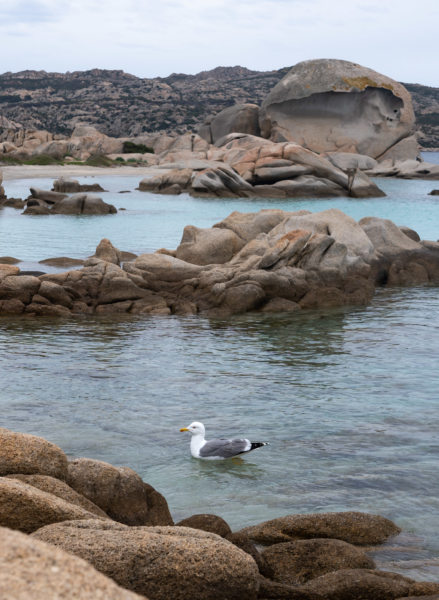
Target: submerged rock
<point x="300" y="561"/>
<point x="352" y="527"/>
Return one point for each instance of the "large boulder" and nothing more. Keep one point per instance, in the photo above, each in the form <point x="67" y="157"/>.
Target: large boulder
<point x="28" y="508"/>
<point x="160" y="562"/>
<point x="241" y="118"/>
<point x="29" y="454"/>
<point x="335" y="105"/>
<point x="299" y="561"/>
<point x="119" y="492"/>
<point x="352" y="527"/>
<point x="33" y="570"/>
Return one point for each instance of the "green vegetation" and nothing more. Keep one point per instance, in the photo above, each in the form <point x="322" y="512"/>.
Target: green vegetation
<point x="41" y="159"/>
<point x="131" y="148"/>
<point x="99" y="160"/>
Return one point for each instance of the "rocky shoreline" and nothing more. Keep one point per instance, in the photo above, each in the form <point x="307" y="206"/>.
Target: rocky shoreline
<point x="269" y="261"/>
<point x="87" y="529"/>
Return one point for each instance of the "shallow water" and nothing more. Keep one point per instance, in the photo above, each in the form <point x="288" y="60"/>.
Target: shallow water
<point x="152" y="221"/>
<point x="347" y="398"/>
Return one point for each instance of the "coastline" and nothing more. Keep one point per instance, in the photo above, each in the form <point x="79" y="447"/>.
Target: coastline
<point x="56" y="171"/>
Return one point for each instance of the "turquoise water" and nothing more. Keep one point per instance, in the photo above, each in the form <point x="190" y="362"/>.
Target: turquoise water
<point x="153" y="221"/>
<point x="348" y="399"/>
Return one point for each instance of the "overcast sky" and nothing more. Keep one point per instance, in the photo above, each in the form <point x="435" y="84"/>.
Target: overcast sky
<point x="151" y="38"/>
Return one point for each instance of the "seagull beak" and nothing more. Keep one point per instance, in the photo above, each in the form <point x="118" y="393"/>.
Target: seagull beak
<point x="184" y="429"/>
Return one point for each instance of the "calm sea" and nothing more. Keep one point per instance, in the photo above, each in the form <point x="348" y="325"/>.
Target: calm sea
<point x="348" y="399"/>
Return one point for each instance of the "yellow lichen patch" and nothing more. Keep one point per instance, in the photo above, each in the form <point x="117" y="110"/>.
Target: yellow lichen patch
<point x="362" y="83"/>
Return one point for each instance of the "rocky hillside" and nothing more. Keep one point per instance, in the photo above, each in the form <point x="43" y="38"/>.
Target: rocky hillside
<point x="426" y="105"/>
<point x="120" y="104"/>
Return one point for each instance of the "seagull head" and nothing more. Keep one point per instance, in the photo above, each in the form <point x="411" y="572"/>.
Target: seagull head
<point x="195" y="428"/>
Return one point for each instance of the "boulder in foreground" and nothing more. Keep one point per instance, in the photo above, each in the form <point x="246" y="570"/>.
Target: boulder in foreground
<point x="33" y="570"/>
<point x="160" y="562"/>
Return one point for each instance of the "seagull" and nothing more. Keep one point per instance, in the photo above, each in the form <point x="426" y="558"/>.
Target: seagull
<point x="218" y="448"/>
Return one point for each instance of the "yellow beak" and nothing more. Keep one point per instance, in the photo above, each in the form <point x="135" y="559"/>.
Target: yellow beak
<point x="184" y="429"/>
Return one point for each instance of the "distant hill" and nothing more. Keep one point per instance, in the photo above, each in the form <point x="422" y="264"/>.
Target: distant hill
<point x="120" y="104"/>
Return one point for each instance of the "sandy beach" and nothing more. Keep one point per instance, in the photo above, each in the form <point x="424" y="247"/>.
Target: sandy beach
<point x="55" y="171"/>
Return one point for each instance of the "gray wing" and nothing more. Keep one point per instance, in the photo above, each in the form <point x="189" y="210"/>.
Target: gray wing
<point x="224" y="448"/>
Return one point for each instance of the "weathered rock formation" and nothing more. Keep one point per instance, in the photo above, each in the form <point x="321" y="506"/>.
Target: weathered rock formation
<point x="272" y="260"/>
<point x="43" y="202"/>
<point x="248" y="166"/>
<point x="336" y="105"/>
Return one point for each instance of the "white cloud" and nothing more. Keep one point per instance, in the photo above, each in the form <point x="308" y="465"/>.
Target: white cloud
<point x="150" y="38"/>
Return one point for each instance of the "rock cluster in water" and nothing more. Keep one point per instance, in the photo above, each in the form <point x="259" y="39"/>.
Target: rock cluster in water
<point x="269" y="261"/>
<point x="87" y="530"/>
<point x="248" y="166"/>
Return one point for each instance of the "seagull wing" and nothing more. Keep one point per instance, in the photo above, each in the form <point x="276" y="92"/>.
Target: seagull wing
<point x="224" y="448"/>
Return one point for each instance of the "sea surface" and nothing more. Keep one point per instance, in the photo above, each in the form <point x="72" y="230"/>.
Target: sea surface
<point x="347" y="398"/>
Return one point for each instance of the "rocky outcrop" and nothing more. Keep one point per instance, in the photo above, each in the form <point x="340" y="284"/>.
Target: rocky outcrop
<point x="160" y="562"/>
<point x="248" y="166"/>
<point x="118" y="491"/>
<point x="405" y="169"/>
<point x="352" y="527"/>
<point x="272" y="260"/>
<point x="43" y="202"/>
<point x="83" y="204"/>
<point x="338" y="106"/>
<point x="33" y="570"/>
